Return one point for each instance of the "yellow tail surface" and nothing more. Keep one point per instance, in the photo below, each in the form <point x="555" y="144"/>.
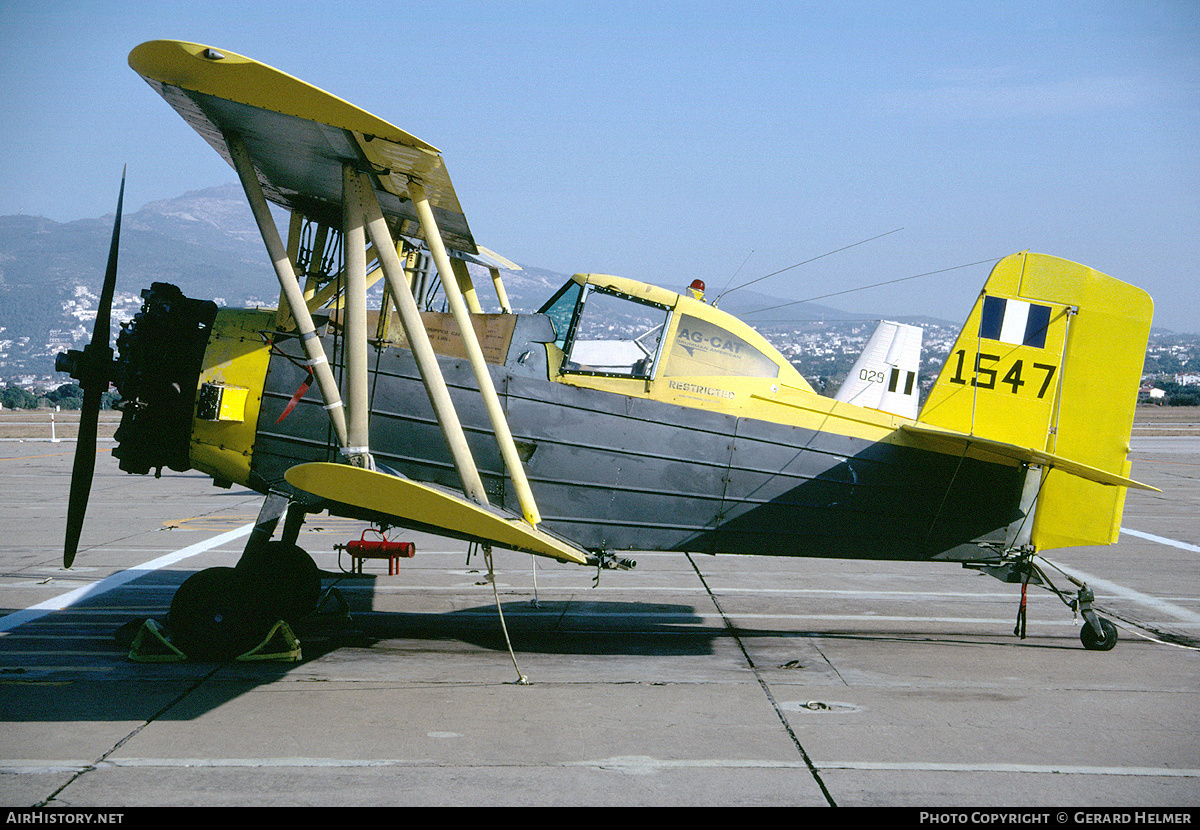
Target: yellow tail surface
<point x="1050" y="358"/>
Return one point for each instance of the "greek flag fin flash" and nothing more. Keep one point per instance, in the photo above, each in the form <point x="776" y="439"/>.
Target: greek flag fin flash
<point x="1014" y="321"/>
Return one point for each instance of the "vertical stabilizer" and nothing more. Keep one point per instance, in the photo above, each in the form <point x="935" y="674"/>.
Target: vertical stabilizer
<point x="885" y="375"/>
<point x="1050" y="359"/>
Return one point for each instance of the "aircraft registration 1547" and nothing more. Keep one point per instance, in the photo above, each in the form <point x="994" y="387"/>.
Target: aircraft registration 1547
<point x="621" y="416"/>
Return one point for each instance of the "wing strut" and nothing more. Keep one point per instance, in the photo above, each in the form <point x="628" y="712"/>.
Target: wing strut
<point x="494" y="263"/>
<point x="501" y="294"/>
<point x="286" y="274"/>
<point x="354" y="238"/>
<point x="458" y="307"/>
<point x="418" y="340"/>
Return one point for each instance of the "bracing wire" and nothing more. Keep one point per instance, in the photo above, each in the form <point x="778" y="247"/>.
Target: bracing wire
<point x="873" y="285"/>
<point x="805" y="262"/>
<point x="735" y="273"/>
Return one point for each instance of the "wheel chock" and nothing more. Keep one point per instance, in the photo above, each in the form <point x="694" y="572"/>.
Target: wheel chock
<point x="151" y="645"/>
<point x="279" y="644"/>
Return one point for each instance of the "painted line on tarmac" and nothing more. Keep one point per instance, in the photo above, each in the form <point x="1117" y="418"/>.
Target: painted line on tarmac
<point x="1162" y="540"/>
<point x="635" y="764"/>
<point x="1161" y="605"/>
<point x="11" y="621"/>
<point x="1039" y="769"/>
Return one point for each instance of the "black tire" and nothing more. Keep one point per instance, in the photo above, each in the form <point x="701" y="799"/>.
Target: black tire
<point x="1093" y="643"/>
<point x="284" y="583"/>
<point x="209" y="617"/>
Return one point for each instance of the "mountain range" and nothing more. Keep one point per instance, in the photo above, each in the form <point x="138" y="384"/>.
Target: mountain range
<point x="206" y="243"/>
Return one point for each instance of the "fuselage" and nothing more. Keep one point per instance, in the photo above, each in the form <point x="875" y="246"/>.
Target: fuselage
<point x="655" y="455"/>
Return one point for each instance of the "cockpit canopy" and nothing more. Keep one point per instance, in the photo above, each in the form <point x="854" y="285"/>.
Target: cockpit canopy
<point x="613" y="327"/>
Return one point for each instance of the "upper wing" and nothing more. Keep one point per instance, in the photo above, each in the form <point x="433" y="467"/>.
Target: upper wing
<point x="299" y="136"/>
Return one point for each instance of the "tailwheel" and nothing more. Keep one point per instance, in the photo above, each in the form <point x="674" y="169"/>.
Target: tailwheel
<point x="210" y="617"/>
<point x="1097" y="634"/>
<point x="1093" y="641"/>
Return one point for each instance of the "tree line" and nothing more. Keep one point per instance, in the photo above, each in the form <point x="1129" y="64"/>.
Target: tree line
<point x="67" y="396"/>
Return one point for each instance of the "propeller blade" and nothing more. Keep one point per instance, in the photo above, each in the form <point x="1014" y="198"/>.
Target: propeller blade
<point x="81" y="474"/>
<point x="93" y="368"/>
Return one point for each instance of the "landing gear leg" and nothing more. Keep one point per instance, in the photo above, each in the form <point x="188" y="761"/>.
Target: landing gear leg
<point x="273" y="509"/>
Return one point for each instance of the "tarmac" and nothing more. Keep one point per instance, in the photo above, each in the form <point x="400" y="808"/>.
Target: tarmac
<point x="690" y="680"/>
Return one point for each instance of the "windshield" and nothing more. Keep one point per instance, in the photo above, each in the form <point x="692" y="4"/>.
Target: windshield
<point x="561" y="309"/>
<point x="614" y="334"/>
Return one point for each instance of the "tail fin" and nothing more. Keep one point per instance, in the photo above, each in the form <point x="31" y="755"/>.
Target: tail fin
<point x="885" y="375"/>
<point x="1050" y="358"/>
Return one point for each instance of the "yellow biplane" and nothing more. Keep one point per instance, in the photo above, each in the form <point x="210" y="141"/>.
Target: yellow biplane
<point x="621" y="416"/>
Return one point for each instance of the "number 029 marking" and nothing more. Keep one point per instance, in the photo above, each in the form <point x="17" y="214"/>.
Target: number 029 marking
<point x="987" y="373"/>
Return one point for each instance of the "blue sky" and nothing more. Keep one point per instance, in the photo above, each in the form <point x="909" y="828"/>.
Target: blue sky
<point x="670" y="141"/>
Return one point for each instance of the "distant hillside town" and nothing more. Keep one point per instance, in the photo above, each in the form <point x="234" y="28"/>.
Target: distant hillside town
<point x="205" y="243"/>
<point x="822" y="352"/>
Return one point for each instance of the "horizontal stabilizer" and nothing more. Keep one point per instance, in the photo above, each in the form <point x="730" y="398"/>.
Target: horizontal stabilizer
<point x="413" y="502"/>
<point x="1026" y="454"/>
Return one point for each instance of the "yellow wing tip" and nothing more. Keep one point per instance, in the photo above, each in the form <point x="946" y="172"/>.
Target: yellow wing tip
<point x="212" y="70"/>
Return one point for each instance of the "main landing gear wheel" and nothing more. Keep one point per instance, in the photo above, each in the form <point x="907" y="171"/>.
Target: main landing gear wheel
<point x="220" y="613"/>
<point x="210" y="618"/>
<point x="284" y="583"/>
<point x="1093" y="641"/>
